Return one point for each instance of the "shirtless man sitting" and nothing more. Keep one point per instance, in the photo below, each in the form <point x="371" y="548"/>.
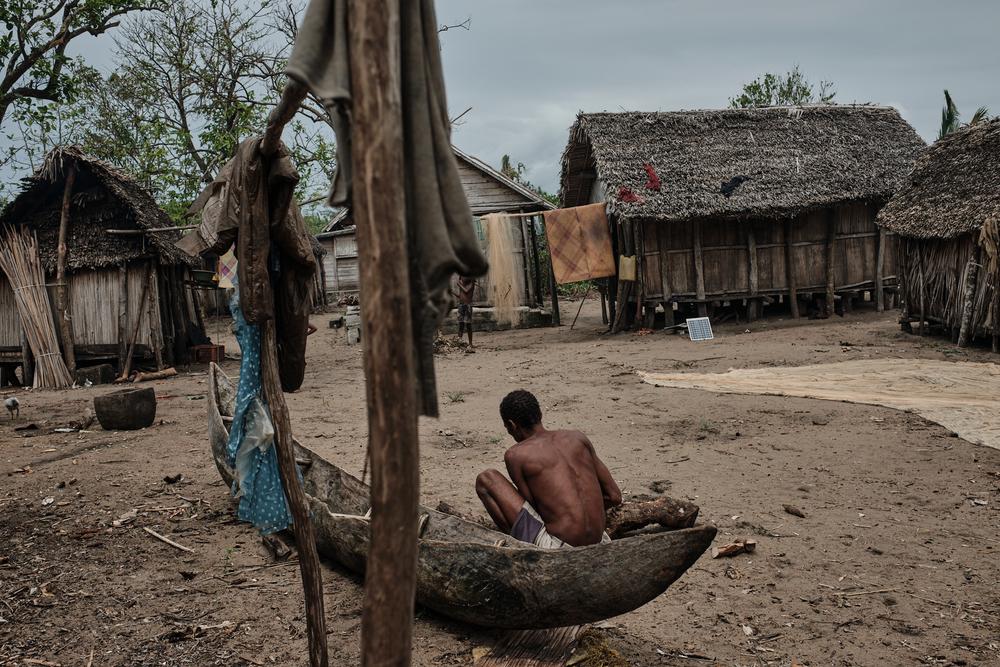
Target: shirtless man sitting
<point x="560" y="488"/>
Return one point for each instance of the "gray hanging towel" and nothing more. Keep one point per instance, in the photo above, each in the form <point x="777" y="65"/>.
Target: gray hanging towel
<point x="440" y="233"/>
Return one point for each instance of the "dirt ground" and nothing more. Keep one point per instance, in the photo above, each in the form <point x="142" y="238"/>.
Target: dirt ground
<point x="893" y="564"/>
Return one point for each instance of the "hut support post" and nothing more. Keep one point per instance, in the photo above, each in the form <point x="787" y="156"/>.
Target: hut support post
<point x="554" y="288"/>
<point x="537" y="270"/>
<point x="668" y="290"/>
<point x="831" y="241"/>
<point x="793" y="292"/>
<point x="699" y="269"/>
<point x="753" y="307"/>
<point x="155" y="329"/>
<point x="62" y="289"/>
<point x="122" y="315"/>
<point x="880" y="272"/>
<point x="380" y="215"/>
<point x="27" y="362"/>
<point x="965" y="334"/>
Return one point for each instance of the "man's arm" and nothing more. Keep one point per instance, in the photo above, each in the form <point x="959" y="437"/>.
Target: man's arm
<point x="609" y="488"/>
<point x="515" y="471"/>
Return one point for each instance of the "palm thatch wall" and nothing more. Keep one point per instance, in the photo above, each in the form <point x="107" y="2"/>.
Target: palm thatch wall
<point x="947" y="216"/>
<point x="743" y="203"/>
<point x="107" y="273"/>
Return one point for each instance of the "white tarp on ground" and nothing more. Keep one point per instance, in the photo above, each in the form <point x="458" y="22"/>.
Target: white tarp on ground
<point x="961" y="396"/>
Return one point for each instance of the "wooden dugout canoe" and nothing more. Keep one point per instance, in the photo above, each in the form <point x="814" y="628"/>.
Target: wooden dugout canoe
<point x="461" y="573"/>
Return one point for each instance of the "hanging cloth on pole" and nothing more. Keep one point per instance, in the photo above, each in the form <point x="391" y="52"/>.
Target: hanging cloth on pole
<point x="440" y="232"/>
<point x="579" y="243"/>
<point x="251" y="450"/>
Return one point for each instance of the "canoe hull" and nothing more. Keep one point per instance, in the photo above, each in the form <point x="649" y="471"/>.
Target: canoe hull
<point x="462" y="575"/>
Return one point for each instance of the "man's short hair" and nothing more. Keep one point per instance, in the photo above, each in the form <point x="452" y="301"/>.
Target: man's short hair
<point x="521" y="407"/>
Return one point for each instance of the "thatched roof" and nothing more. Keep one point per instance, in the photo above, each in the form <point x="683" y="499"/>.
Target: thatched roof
<point x="103" y="198"/>
<point x="737" y="163"/>
<point x="954" y="188"/>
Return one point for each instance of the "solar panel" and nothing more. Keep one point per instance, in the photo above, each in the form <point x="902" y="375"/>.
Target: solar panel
<point x="699" y="328"/>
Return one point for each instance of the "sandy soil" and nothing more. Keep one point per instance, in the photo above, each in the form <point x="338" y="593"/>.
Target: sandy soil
<point x="893" y="564"/>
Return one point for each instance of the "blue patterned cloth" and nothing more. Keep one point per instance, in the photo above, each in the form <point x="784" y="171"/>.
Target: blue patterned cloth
<point x="251" y="450"/>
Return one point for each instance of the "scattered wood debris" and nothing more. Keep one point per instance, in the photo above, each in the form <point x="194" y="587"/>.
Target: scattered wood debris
<point x="740" y="546"/>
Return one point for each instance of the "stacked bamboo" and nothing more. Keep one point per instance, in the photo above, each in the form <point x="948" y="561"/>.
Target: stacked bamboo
<point x="19" y="260"/>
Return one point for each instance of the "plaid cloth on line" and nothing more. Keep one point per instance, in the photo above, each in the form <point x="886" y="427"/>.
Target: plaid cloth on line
<point x="579" y="243"/>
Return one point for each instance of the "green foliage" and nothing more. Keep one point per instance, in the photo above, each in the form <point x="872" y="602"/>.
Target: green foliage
<point x="790" y="89"/>
<point x="950" y="117"/>
<point x="34" y="37"/>
<point x="191" y="82"/>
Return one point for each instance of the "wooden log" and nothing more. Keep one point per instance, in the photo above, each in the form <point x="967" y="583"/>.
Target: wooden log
<point x="699" y="269"/>
<point x="379" y="209"/>
<point x="122" y="314"/>
<point x="153" y="316"/>
<point x="967" y="330"/>
<point x="831" y="242"/>
<point x="880" y="272"/>
<point x="753" y="279"/>
<point x="158" y="375"/>
<point x="62" y="288"/>
<point x="665" y="511"/>
<point x="793" y="292"/>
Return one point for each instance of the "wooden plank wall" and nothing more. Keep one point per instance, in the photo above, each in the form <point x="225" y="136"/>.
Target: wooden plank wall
<point x="668" y="258"/>
<point x="10" y="320"/>
<point x="485" y="193"/>
<point x="93" y="299"/>
<point x="340" y="263"/>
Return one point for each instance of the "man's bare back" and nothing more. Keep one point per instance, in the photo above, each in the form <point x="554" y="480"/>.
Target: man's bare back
<point x="558" y="473"/>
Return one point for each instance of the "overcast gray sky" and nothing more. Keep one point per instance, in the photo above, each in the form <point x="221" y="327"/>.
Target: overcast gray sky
<point x="528" y="66"/>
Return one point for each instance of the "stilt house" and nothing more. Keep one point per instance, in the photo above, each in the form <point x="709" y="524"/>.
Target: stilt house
<point x="743" y="205"/>
<point x="947" y="217"/>
<point x="126" y="281"/>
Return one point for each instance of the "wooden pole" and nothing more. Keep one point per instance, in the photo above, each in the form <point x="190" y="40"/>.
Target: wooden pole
<point x="556" y="321"/>
<point x="699" y="269"/>
<point x="967" y="331"/>
<point x="793" y="292"/>
<point x="27" y="362"/>
<point x="880" y="272"/>
<point x="122" y="315"/>
<point x="155" y="334"/>
<point x="379" y="210"/>
<point x="305" y="535"/>
<point x="127" y="368"/>
<point x="752" y="278"/>
<point x="62" y="289"/>
<point x="831" y="240"/>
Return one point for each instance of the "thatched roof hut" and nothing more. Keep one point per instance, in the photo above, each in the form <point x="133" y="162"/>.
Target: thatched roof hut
<point x="128" y="285"/>
<point x="722" y="179"/>
<point x="947" y="215"/>
<point x="104" y="197"/>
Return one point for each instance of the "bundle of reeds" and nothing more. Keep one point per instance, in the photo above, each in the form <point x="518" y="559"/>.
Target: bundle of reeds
<point x="19" y="261"/>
